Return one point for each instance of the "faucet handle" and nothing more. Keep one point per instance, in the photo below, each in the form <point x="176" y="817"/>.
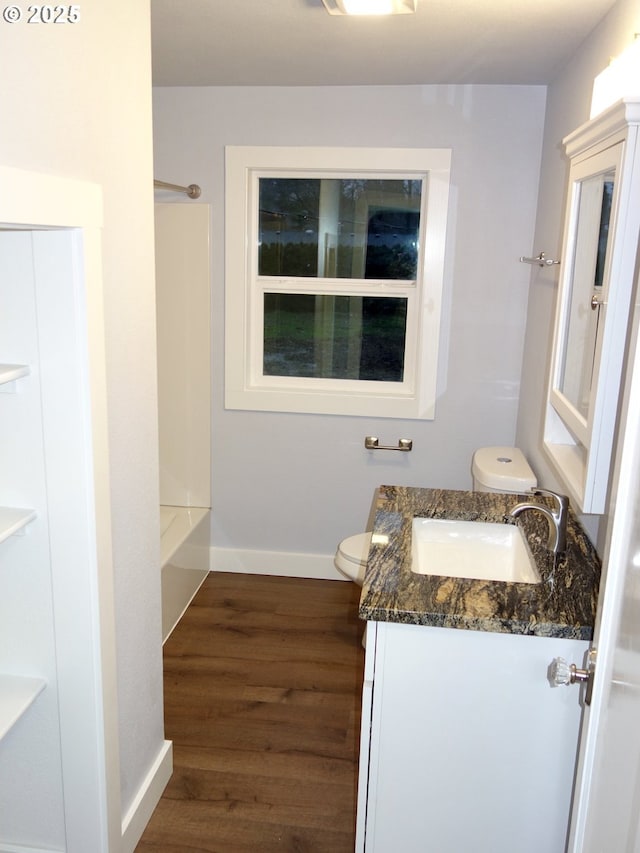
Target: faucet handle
<point x="562" y="500"/>
<point x="560" y="516"/>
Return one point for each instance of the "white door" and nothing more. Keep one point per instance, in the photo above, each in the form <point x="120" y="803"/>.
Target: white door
<point x="606" y="810"/>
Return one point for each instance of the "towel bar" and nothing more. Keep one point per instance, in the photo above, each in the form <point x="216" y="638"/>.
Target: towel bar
<point x="404" y="444"/>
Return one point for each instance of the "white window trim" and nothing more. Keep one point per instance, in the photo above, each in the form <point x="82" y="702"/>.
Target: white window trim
<point x="245" y="386"/>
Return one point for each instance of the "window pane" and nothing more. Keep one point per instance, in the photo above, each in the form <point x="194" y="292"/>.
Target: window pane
<point x="334" y="337"/>
<point x="339" y="228"/>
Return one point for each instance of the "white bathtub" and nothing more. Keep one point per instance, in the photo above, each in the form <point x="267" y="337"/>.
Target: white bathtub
<point x="184" y="555"/>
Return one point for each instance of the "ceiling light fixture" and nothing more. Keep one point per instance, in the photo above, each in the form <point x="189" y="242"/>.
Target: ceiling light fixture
<point x="370" y="7"/>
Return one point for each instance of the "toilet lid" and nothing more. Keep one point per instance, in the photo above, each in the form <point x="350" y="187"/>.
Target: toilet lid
<point x="503" y="468"/>
<point x="355" y="548"/>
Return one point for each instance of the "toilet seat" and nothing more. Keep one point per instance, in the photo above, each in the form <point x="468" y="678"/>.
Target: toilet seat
<point x="351" y="556"/>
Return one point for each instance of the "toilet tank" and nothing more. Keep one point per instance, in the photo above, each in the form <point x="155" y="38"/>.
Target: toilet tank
<point x="502" y="469"/>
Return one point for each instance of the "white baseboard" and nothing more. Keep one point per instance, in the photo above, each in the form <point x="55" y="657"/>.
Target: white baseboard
<point x="179" y="587"/>
<point x="147" y="798"/>
<point x="20" y="848"/>
<point x="283" y="563"/>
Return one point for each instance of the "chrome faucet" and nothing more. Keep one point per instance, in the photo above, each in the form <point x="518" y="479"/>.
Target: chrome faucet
<point x="557" y="518"/>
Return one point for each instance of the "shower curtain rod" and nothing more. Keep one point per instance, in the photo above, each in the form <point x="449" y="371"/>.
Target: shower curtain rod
<point x="193" y="190"/>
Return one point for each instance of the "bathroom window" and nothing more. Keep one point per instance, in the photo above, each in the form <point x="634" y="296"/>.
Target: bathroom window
<point x="334" y="265"/>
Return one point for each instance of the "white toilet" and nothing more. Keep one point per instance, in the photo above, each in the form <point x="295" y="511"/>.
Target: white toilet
<point x="351" y="556"/>
<point x="494" y="469"/>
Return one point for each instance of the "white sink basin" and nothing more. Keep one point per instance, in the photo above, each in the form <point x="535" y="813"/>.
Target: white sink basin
<point x="472" y="549"/>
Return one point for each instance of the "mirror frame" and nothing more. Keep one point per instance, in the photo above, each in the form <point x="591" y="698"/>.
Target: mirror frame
<point x="579" y="447"/>
<point x="579" y="424"/>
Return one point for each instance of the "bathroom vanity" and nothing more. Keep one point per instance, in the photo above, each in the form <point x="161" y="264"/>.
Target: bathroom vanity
<point x="464" y="743"/>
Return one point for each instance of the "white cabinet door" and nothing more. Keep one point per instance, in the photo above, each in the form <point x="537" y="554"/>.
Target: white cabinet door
<point x="365" y="736"/>
<point x="598" y="261"/>
<point x="471" y="749"/>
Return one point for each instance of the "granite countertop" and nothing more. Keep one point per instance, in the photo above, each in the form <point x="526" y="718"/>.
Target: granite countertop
<point x="562" y="605"/>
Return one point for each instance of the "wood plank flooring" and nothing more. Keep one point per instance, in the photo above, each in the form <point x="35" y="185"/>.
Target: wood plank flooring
<point x="263" y="680"/>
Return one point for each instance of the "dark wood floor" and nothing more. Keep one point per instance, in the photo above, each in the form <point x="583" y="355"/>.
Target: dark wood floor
<point x="263" y="678"/>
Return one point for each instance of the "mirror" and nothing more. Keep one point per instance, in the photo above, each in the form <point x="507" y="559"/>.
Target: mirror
<point x="586" y="288"/>
<point x="602" y="227"/>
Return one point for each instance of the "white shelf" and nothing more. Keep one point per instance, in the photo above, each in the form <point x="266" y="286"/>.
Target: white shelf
<point x="17" y="694"/>
<point x="9" y="373"/>
<point x="14" y="520"/>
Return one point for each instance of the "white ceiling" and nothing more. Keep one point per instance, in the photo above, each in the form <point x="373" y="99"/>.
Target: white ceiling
<point x="297" y="43"/>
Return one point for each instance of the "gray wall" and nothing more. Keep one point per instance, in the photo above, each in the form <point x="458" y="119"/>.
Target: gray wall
<point x="568" y="106"/>
<point x="299" y="483"/>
